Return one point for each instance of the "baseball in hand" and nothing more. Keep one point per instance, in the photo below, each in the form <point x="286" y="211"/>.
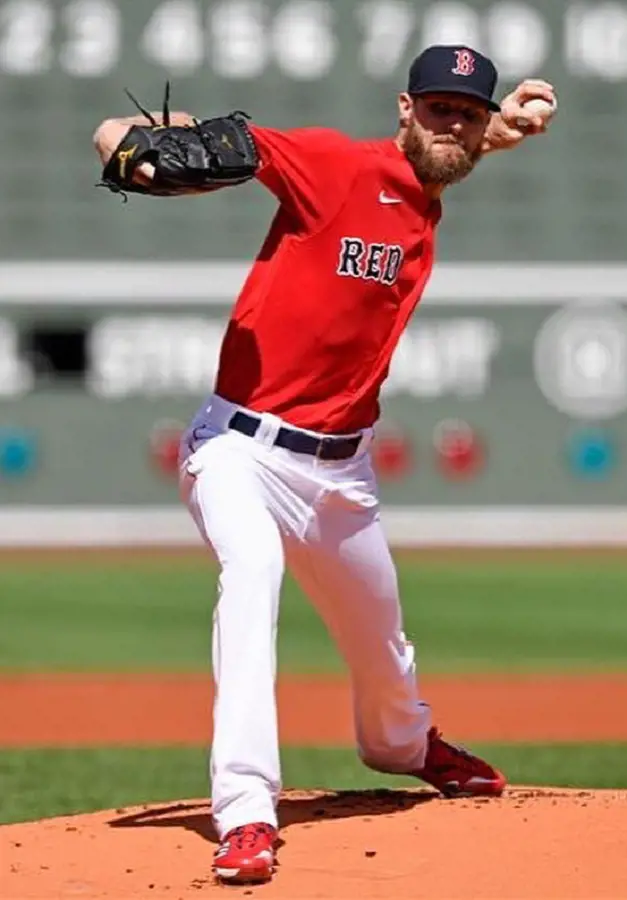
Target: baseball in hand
<point x="539" y="107"/>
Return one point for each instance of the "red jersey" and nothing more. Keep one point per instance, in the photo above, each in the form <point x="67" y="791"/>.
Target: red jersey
<point x="343" y="266"/>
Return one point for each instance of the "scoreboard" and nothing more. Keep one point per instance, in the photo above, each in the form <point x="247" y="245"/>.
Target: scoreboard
<point x="509" y="388"/>
<point x="64" y="63"/>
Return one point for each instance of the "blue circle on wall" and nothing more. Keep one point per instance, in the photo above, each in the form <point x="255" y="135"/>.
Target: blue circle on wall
<point x="591" y="454"/>
<point x="18" y="452"/>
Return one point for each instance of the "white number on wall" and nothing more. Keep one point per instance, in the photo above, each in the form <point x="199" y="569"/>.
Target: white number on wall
<point x="596" y="40"/>
<point x="239" y="46"/>
<point x="305" y="45"/>
<point x="25" y="37"/>
<point x="174" y="36"/>
<point x="388" y="28"/>
<point x="92" y="46"/>
<point x="518" y="38"/>
<point x="451" y="23"/>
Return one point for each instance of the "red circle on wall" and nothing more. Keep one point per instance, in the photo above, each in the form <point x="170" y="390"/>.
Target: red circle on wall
<point x="392" y="454"/>
<point x="165" y="437"/>
<point x="460" y="452"/>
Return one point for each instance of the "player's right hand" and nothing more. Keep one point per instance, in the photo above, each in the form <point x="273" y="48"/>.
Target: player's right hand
<point x="513" y="107"/>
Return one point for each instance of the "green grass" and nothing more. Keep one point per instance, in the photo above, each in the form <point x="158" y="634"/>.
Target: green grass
<point x="156" y="614"/>
<point x="39" y="783"/>
<point x="464" y="616"/>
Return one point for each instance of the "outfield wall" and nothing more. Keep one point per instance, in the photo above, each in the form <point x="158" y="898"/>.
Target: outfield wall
<point x="504" y="414"/>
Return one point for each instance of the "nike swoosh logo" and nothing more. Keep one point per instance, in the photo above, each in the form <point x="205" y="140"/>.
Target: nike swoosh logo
<point x="383" y="198"/>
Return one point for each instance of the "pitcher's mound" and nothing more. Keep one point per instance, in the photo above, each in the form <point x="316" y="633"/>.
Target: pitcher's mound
<point x="388" y="844"/>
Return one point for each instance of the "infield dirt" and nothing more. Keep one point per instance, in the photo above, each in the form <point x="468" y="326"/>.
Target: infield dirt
<point x="531" y="843"/>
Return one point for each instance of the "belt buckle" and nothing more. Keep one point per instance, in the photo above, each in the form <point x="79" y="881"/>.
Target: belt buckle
<point x="322" y="443"/>
<point x="332" y="442"/>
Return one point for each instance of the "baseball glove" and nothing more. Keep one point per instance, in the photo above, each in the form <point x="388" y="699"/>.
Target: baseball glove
<point x="205" y="156"/>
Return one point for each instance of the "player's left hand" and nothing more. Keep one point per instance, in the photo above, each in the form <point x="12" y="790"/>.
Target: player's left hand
<point x="515" y="122"/>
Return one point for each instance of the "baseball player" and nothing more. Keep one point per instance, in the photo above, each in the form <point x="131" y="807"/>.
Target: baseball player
<point x="276" y="467"/>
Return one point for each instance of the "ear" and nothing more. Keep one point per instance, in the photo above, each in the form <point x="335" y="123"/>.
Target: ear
<point x="406" y="105"/>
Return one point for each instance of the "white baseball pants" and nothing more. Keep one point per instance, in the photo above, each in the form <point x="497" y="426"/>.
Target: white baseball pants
<point x="261" y="507"/>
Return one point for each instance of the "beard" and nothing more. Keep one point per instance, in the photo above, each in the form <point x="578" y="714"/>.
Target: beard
<point x="432" y="168"/>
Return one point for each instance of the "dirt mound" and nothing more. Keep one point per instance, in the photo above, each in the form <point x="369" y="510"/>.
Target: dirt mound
<point x="531" y="843"/>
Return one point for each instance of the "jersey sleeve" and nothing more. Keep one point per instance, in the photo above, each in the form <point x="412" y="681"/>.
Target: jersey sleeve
<point x="309" y="170"/>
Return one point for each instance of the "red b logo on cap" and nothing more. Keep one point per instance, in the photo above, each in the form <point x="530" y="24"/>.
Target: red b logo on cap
<point x="465" y="63"/>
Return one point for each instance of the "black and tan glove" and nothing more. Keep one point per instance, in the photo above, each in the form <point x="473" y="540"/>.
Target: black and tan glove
<point x="204" y="156"/>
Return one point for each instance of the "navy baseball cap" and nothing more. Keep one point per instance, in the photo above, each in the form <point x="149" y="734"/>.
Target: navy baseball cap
<point x="455" y="69"/>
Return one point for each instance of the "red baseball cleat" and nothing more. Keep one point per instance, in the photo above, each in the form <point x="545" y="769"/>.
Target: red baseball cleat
<point x="246" y="854"/>
<point x="455" y="772"/>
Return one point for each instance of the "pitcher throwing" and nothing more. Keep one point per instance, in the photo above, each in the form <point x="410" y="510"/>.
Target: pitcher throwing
<point x="275" y="466"/>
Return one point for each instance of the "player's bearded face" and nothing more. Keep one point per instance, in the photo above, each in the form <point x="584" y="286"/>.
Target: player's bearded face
<point x="442" y="135"/>
<point x="439" y="158"/>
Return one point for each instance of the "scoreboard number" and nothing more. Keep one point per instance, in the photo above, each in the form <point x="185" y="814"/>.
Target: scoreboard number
<point x="244" y="39"/>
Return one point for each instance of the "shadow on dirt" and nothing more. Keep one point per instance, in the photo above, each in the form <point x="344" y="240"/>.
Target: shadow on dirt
<point x="295" y="808"/>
